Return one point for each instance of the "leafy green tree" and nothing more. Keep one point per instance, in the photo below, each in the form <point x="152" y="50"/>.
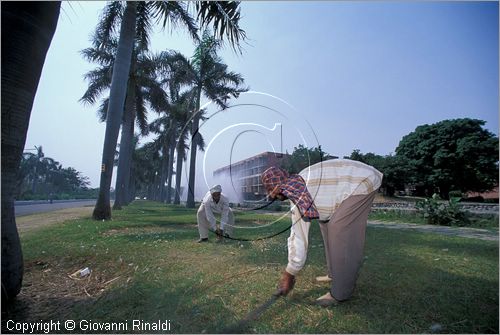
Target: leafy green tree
<point x="50" y="177"/>
<point x="303" y="157"/>
<point x="449" y="155"/>
<point x="25" y="43"/>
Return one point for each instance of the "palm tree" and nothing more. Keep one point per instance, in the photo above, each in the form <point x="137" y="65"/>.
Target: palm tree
<point x="178" y="112"/>
<point x="20" y="77"/>
<point x="208" y="76"/>
<point x="182" y="107"/>
<point x="163" y="127"/>
<point x="225" y="18"/>
<point x="39" y="166"/>
<point x="121" y="68"/>
<point x="145" y="165"/>
<point x="136" y="16"/>
<point x="142" y="88"/>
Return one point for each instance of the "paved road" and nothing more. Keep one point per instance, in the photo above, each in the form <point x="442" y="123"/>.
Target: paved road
<point x="26" y="208"/>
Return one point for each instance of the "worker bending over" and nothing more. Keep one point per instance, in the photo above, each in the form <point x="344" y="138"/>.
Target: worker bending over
<point x="214" y="202"/>
<point x="339" y="193"/>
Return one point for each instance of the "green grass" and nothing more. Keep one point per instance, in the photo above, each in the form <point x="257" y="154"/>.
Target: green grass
<point x="408" y="282"/>
<point x="395" y="215"/>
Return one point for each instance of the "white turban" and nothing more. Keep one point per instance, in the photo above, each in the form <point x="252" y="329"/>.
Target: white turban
<point x="216" y="189"/>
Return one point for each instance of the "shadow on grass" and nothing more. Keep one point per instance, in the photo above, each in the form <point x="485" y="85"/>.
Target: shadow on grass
<point x="186" y="310"/>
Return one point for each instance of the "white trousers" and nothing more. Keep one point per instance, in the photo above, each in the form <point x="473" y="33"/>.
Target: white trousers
<point x="204" y="224"/>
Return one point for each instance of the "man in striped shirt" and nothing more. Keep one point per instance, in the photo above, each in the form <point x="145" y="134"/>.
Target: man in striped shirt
<point x="338" y="193"/>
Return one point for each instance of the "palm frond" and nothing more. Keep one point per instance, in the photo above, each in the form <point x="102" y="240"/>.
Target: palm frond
<point x="102" y="111"/>
<point x="94" y="91"/>
<point x="109" y="22"/>
<point x="101" y="56"/>
<point x="141" y="112"/>
<point x="143" y="26"/>
<point x="102" y="74"/>
<point x="157" y="98"/>
<point x="224" y="17"/>
<point x="175" y="13"/>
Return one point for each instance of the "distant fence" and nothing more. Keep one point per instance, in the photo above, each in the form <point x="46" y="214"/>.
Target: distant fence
<point x="480" y="208"/>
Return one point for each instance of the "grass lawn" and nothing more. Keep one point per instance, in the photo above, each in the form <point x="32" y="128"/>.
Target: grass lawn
<point x="145" y="265"/>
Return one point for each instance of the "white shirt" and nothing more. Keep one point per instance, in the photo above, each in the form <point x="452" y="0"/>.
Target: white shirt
<point x="329" y="183"/>
<point x="222" y="207"/>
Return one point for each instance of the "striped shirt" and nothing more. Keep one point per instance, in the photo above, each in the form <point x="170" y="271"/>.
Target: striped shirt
<point x="331" y="182"/>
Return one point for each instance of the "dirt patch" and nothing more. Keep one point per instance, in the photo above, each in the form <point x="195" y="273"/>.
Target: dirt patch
<point x="35" y="221"/>
<point x="51" y="290"/>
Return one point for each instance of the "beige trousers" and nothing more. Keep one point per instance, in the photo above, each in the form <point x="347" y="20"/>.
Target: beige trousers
<point x="204" y="224"/>
<point x="344" y="240"/>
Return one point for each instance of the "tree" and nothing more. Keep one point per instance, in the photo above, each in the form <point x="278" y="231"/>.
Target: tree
<point x="38" y="165"/>
<point x="391" y="166"/>
<point x="121" y="68"/>
<point x="450" y="155"/>
<point x="207" y="75"/>
<point x="144" y="167"/>
<point x="49" y="176"/>
<point x="180" y="107"/>
<point x="143" y="89"/>
<point x="164" y="128"/>
<point x="27" y="29"/>
<point x="183" y="126"/>
<point x="225" y="17"/>
<point x="303" y="157"/>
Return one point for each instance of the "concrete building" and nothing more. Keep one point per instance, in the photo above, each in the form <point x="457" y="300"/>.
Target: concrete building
<point x="244" y="175"/>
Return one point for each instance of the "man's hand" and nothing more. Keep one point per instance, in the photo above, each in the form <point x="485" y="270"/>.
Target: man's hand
<point x="286" y="283"/>
<point x="219" y="233"/>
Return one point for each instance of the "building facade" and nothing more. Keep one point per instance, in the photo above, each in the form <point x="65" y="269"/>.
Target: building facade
<point x="245" y="174"/>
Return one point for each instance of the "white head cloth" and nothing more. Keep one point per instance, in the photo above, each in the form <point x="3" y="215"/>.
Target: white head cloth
<point x="216" y="189"/>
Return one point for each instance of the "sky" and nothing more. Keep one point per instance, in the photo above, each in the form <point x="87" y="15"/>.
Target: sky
<point x="343" y="75"/>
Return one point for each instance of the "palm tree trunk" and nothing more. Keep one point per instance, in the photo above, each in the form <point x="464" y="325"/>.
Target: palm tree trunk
<point x="170" y="165"/>
<point x="124" y="160"/>
<point x="150" y="192"/>
<point x="158" y="187"/>
<point x="194" y="148"/>
<point x="163" y="172"/>
<point x="130" y="184"/>
<point x="131" y="189"/>
<point x="178" y="175"/>
<point x="121" y="69"/>
<point x="25" y="43"/>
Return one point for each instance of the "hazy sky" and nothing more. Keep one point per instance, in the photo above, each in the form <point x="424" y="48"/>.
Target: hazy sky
<point x="346" y="75"/>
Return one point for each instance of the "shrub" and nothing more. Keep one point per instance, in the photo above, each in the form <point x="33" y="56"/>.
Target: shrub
<point x="455" y="194"/>
<point x="443" y="213"/>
